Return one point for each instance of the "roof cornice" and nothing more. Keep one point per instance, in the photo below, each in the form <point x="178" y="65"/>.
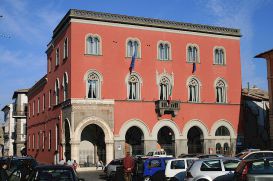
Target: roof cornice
<point x="141" y="21"/>
<point x="37" y="85"/>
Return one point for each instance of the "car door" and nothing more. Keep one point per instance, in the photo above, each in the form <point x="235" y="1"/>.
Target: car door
<point x="154" y="165"/>
<point x="228" y="172"/>
<point x="177" y="166"/>
<point x="211" y="168"/>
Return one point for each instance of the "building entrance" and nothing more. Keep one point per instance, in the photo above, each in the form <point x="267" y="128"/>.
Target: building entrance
<point x="134" y="142"/>
<point x="195" y="140"/>
<point x="166" y="140"/>
<point x="92" y="146"/>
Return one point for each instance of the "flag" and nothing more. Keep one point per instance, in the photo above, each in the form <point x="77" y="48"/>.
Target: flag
<point x="132" y="65"/>
<point x="193" y="67"/>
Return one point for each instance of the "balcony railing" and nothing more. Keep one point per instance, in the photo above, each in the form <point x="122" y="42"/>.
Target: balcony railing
<point x="167" y="107"/>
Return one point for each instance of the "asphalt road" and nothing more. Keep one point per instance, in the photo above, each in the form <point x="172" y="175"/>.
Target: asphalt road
<point x="94" y="175"/>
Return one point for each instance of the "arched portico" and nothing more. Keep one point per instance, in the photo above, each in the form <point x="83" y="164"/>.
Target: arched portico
<point x="108" y="135"/>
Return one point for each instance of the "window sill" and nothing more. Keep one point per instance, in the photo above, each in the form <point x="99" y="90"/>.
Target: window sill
<point x="134" y="100"/>
<point x="96" y="55"/>
<point x="192" y="62"/>
<point x="223" y="65"/>
<point x="137" y="58"/>
<point x="165" y="60"/>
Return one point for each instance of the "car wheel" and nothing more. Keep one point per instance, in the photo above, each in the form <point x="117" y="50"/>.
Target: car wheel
<point x="147" y="179"/>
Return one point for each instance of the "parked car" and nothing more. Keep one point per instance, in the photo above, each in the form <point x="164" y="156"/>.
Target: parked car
<point x="256" y="155"/>
<point x="257" y="169"/>
<point x="112" y="167"/>
<point x="160" y="153"/>
<point x="209" y="156"/>
<point x="176" y="168"/>
<point x="217" y="169"/>
<point x="152" y="167"/>
<point x="54" y="172"/>
<point x="188" y="155"/>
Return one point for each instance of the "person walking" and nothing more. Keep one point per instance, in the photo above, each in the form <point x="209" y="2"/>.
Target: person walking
<point x="3" y="172"/>
<point x="128" y="164"/>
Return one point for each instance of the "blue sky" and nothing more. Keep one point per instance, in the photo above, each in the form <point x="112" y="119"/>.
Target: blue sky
<point x="26" y="28"/>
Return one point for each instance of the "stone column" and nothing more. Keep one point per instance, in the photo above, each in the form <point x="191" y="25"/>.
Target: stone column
<point x="75" y="150"/>
<point x="181" y="146"/>
<point x="109" y="151"/>
<point x="150" y="145"/>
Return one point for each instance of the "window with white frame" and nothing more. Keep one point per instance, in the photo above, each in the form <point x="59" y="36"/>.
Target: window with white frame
<point x="38" y="105"/>
<point x="192" y="54"/>
<point x="56" y="137"/>
<point x="133" y="47"/>
<point x="33" y="108"/>
<point x="193" y="89"/>
<point x="93" y="45"/>
<point x="165" y="88"/>
<point x="219" y="56"/>
<point x="49" y="140"/>
<point x="28" y="142"/>
<point x="164" y="51"/>
<point x="38" y="140"/>
<point x="93" y="83"/>
<point x="44" y="102"/>
<point x="65" y="86"/>
<point x="57" y="92"/>
<point x="43" y="140"/>
<point x="29" y="110"/>
<point x="220" y="91"/>
<point x="49" y="64"/>
<point x="33" y="141"/>
<point x="65" y="55"/>
<point x="222" y="131"/>
<point x="133" y="87"/>
<point x="57" y="57"/>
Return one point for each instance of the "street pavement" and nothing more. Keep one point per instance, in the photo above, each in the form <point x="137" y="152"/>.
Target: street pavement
<point x="92" y="175"/>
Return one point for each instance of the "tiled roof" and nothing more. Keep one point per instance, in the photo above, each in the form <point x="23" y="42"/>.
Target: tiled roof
<point x="262" y="55"/>
<point x="141" y="21"/>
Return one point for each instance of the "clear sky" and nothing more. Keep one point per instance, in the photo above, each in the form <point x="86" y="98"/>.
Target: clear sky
<point x="27" y="25"/>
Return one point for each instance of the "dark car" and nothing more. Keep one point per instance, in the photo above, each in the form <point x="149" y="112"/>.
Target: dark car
<point x="257" y="169"/>
<point x="54" y="172"/>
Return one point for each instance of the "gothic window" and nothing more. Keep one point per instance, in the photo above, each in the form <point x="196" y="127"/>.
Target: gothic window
<point x="220" y="91"/>
<point x="192" y="52"/>
<point x="65" y="55"/>
<point x="219" y="56"/>
<point x="165" y="88"/>
<point x="93" y="86"/>
<point x="93" y="45"/>
<point x="164" y="51"/>
<point x="222" y="131"/>
<point x="133" y="47"/>
<point x="194" y="90"/>
<point x="57" y="92"/>
<point x="65" y="86"/>
<point x="133" y="87"/>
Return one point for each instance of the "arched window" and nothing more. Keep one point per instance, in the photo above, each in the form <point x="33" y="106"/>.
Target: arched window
<point x="193" y="54"/>
<point x="218" y="148"/>
<point x="194" y="90"/>
<point x="65" y="48"/>
<point x="93" y="85"/>
<point x="133" y="46"/>
<point x="165" y="88"/>
<point x="93" y="45"/>
<point x="65" y="86"/>
<point x="220" y="91"/>
<point x="57" y="92"/>
<point x="219" y="56"/>
<point x="133" y="87"/>
<point x="222" y="131"/>
<point x="226" y="149"/>
<point x="164" y="51"/>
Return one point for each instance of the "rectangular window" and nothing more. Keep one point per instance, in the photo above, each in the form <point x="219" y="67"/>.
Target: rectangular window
<point x="57" y="58"/>
<point x="29" y="108"/>
<point x="29" y="141"/>
<point x="43" y="141"/>
<point x="49" y="65"/>
<point x="33" y="108"/>
<point x="38" y="105"/>
<point x="49" y="99"/>
<point x="33" y="141"/>
<point x="56" y="138"/>
<point x="44" y="102"/>
<point x="49" y="140"/>
<point x="38" y="141"/>
<point x="65" y="48"/>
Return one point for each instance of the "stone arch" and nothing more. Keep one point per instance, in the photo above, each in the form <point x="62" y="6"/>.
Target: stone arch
<point x="165" y="122"/>
<point x="198" y="124"/>
<point x="133" y="122"/>
<point x="66" y="120"/>
<point x="97" y="121"/>
<point x="227" y="124"/>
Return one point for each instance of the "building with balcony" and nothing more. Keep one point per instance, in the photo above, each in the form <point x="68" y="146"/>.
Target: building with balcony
<point x="118" y="83"/>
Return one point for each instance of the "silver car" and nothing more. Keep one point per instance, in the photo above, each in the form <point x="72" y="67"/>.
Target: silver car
<point x="218" y="169"/>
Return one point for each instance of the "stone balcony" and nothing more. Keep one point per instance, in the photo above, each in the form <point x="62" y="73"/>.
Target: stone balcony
<point x="167" y="107"/>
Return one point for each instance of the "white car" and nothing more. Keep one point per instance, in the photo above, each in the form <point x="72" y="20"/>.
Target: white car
<point x="160" y="153"/>
<point x="176" y="168"/>
<point x="216" y="169"/>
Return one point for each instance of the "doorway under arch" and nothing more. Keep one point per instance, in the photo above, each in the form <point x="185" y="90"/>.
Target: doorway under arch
<point x="166" y="140"/>
<point x="92" y="146"/>
<point x="134" y="142"/>
<point x="195" y="140"/>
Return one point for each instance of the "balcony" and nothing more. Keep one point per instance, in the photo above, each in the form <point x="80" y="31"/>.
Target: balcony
<point x="167" y="107"/>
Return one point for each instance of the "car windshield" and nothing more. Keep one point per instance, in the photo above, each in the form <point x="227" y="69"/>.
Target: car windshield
<point x="53" y="174"/>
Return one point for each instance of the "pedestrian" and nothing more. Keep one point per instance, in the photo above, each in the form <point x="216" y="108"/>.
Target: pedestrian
<point x="75" y="165"/>
<point x="3" y="172"/>
<point x="128" y="164"/>
<point x="98" y="164"/>
<point x="102" y="164"/>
